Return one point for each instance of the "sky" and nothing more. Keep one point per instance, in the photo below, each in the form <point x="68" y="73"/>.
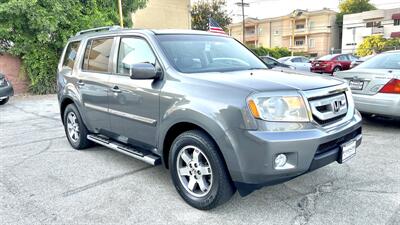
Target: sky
<point x="273" y="8"/>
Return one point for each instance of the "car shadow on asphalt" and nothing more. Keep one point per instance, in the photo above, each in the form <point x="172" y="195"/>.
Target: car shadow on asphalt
<point x="379" y="121"/>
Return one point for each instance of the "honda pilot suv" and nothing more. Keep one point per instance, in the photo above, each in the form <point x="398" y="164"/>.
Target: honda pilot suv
<point x="205" y="107"/>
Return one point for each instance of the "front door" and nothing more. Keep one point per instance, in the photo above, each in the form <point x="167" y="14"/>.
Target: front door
<point x="134" y="104"/>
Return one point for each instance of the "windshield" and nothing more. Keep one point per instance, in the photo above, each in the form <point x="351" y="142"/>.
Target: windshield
<point x="382" y="61"/>
<point x="207" y="53"/>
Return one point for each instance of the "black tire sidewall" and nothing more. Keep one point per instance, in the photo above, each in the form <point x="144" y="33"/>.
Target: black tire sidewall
<point x="218" y="169"/>
<point x="4" y="101"/>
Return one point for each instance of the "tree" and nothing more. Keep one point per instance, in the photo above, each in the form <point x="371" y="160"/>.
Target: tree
<point x="376" y="44"/>
<point x="352" y="6"/>
<point x="37" y="30"/>
<point x="215" y="9"/>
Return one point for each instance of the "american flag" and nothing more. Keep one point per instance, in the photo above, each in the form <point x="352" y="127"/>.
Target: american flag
<point x="214" y="27"/>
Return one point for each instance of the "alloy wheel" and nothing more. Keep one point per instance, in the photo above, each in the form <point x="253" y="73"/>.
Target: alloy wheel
<point x="194" y="171"/>
<point x="73" y="127"/>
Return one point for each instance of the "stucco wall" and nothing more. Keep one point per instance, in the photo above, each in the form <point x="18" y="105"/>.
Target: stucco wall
<point x="163" y="14"/>
<point x="10" y="66"/>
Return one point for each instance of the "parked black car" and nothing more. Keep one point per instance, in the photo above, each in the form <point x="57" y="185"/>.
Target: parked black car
<point x="6" y="89"/>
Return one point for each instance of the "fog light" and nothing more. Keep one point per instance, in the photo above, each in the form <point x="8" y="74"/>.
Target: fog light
<point x="280" y="160"/>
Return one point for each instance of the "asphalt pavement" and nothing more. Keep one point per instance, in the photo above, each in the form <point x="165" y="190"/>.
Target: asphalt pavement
<point x="44" y="181"/>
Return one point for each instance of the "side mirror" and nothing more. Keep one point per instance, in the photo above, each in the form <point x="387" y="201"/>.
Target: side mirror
<point x="142" y="71"/>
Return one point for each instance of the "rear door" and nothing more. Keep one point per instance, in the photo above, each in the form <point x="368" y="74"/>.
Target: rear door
<point x="134" y="104"/>
<point x="94" y="82"/>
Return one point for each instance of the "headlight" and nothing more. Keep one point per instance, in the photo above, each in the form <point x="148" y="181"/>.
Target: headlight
<point x="278" y="108"/>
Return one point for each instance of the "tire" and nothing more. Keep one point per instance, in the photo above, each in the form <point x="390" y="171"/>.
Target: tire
<point x="72" y="117"/>
<point x="217" y="185"/>
<point x="4" y="101"/>
<point x="336" y="69"/>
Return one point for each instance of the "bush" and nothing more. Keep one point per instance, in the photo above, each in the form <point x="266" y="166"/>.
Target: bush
<point x="376" y="44"/>
<point x="36" y="31"/>
<point x="276" y="52"/>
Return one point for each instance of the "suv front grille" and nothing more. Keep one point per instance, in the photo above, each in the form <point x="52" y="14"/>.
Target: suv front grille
<point x="329" y="109"/>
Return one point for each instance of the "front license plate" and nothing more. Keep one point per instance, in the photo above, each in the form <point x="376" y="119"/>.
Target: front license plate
<point x="348" y="150"/>
<point x="356" y="85"/>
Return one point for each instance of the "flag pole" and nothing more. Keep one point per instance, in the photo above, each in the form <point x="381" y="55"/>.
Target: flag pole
<point x="121" y="20"/>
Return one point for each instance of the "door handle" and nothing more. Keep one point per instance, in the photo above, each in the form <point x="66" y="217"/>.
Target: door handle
<point x="116" y="89"/>
<point x="80" y="83"/>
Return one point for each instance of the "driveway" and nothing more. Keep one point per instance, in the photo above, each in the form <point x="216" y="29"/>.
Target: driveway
<point x="44" y="181"/>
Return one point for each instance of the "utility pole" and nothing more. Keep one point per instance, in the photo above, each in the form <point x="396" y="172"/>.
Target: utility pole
<point x="243" y="4"/>
<point x="243" y="25"/>
<point x="121" y="18"/>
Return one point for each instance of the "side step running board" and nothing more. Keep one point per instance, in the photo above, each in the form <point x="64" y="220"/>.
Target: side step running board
<point x="144" y="156"/>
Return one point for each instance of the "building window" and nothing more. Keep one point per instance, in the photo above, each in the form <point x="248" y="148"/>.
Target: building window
<point x="260" y="31"/>
<point x="276" y="32"/>
<point x="312" y="43"/>
<point x="312" y="24"/>
<point x="397" y="22"/>
<point x="374" y="24"/>
<point x="299" y="26"/>
<point x="299" y="42"/>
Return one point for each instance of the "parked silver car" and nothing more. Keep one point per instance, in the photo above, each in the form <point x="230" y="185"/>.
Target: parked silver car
<point x="376" y="84"/>
<point x="298" y="62"/>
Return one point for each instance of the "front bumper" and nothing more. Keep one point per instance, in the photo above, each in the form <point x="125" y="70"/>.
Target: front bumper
<point x="307" y="149"/>
<point x="6" y="91"/>
<point x="380" y="103"/>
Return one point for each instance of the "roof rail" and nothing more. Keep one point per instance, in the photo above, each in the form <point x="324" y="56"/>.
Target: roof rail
<point x="97" y="29"/>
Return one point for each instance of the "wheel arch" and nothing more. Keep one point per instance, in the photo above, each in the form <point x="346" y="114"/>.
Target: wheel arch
<point x="217" y="133"/>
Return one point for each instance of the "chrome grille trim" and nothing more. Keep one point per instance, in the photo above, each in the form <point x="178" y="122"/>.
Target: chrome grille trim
<point x="318" y="94"/>
<point x="330" y="107"/>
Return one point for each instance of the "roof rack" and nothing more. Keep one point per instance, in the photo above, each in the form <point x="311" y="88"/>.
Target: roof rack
<point x="98" y="29"/>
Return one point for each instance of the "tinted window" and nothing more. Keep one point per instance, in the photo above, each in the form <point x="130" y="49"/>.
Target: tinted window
<point x="132" y="51"/>
<point x="382" y="61"/>
<point x="97" y="55"/>
<point x="298" y="60"/>
<point x="343" y="58"/>
<point x="208" y="53"/>
<point x="305" y="60"/>
<point x="70" y="54"/>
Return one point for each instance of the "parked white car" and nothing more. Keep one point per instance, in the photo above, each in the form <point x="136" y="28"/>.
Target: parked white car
<point x="376" y="84"/>
<point x="298" y="62"/>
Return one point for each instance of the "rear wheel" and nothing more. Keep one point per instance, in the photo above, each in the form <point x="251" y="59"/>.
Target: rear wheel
<point x="336" y="69"/>
<point x="198" y="171"/>
<point x="4" y="101"/>
<point x="75" y="129"/>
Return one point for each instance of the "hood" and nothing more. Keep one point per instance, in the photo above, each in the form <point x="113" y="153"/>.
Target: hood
<point x="270" y="80"/>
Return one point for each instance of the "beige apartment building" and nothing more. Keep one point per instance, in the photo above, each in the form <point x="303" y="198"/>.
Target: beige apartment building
<point x="312" y="32"/>
<point x="163" y="14"/>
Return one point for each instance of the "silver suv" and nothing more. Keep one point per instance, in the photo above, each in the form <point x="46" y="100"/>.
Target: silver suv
<point x="205" y="107"/>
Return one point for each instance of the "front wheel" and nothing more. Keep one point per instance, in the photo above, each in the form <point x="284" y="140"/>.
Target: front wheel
<point x="198" y="171"/>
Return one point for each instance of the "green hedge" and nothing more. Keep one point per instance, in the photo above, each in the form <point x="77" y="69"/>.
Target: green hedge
<point x="276" y="52"/>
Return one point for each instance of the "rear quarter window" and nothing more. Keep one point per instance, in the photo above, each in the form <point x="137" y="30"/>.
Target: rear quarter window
<point x="70" y="54"/>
